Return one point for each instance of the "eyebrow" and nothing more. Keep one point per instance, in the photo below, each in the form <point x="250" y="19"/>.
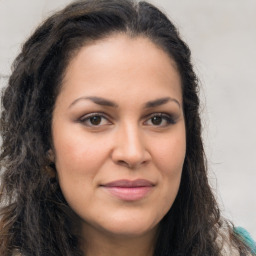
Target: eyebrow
<point x="161" y="101"/>
<point x="96" y="100"/>
<point x="108" y="103"/>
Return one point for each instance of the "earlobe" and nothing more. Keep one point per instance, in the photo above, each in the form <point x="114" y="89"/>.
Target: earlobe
<point x="50" y="166"/>
<point x="50" y="155"/>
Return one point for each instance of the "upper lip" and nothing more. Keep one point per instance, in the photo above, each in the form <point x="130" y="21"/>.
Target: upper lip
<point x="129" y="183"/>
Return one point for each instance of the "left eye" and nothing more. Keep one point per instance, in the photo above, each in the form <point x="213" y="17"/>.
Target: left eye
<point x="93" y="120"/>
<point x="160" y="120"/>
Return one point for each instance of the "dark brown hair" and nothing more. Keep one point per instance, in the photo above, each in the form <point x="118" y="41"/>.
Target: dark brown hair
<point x="34" y="217"/>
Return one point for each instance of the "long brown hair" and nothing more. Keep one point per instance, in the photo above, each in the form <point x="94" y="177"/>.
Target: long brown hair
<point x="34" y="217"/>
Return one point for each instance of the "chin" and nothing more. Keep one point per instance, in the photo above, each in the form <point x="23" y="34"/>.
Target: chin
<point x="130" y="227"/>
<point x="135" y="232"/>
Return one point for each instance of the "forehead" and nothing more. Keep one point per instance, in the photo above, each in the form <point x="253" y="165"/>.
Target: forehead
<point x="121" y="61"/>
<point x="119" y="45"/>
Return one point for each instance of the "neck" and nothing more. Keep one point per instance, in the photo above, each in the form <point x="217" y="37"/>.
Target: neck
<point x="104" y="244"/>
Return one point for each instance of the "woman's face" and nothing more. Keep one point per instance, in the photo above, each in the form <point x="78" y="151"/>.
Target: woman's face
<point x="119" y="135"/>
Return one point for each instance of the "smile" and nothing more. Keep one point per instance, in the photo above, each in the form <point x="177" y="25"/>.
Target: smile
<point x="128" y="190"/>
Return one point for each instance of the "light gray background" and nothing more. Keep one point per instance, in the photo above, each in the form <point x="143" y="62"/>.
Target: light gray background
<point x="222" y="37"/>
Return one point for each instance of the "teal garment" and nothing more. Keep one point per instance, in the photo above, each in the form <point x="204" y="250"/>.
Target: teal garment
<point x="244" y="234"/>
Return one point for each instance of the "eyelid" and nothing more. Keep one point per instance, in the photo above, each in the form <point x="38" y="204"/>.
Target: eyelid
<point x="91" y="114"/>
<point x="86" y="117"/>
<point x="170" y="118"/>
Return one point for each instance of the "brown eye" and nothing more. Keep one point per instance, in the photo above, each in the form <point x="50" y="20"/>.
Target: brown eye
<point x="95" y="120"/>
<point x="160" y="120"/>
<point x="156" y="120"/>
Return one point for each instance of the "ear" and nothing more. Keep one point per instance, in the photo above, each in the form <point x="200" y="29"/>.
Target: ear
<point x="50" y="167"/>
<point x="51" y="155"/>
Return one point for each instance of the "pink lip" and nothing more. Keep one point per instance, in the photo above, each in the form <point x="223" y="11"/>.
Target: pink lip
<point x="129" y="190"/>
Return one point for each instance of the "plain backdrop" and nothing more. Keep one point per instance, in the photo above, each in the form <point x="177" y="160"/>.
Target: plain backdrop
<point x="222" y="38"/>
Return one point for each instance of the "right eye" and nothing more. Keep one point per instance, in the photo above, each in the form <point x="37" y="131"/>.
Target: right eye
<point x="94" y="120"/>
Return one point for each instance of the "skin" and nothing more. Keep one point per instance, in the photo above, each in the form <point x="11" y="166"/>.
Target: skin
<point x="129" y="140"/>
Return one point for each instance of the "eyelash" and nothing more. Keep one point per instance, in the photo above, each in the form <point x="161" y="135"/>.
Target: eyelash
<point x="87" y="117"/>
<point x="167" y="117"/>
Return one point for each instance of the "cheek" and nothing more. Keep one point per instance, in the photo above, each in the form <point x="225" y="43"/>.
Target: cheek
<point x="78" y="161"/>
<point x="169" y="160"/>
<point x="76" y="151"/>
<point x="170" y="153"/>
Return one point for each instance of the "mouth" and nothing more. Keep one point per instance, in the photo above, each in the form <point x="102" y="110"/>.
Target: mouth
<point x="129" y="190"/>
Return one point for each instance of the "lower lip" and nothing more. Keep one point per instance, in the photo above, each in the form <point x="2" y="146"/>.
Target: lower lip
<point x="129" y="194"/>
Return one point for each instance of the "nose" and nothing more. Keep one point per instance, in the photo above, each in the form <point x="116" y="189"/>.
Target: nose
<point x="129" y="147"/>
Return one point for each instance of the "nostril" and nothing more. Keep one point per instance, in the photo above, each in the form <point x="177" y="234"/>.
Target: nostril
<point x="124" y="163"/>
<point x="131" y="165"/>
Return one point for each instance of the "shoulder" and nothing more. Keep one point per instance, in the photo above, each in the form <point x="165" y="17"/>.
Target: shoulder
<point x="246" y="238"/>
<point x="225" y="244"/>
<point x="228" y="247"/>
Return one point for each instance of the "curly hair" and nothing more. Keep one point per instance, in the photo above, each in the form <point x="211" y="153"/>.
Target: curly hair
<point x="35" y="219"/>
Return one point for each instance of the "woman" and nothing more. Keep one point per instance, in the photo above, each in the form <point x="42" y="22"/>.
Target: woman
<point x="102" y="151"/>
